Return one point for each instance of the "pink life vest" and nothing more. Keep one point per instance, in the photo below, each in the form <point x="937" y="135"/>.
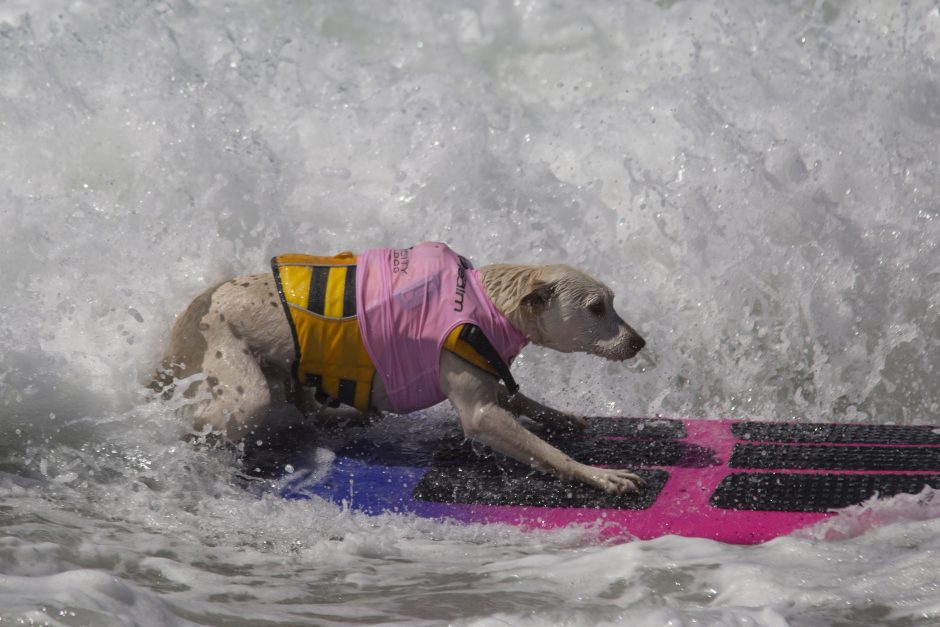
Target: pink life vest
<point x="409" y="300"/>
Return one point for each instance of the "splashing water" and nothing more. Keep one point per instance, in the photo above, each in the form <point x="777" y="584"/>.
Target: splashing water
<point x="756" y="181"/>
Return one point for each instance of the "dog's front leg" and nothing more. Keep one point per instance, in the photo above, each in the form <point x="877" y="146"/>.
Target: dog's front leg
<point x="474" y="395"/>
<point x="519" y="403"/>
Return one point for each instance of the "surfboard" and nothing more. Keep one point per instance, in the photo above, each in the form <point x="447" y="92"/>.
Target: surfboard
<point x="741" y="482"/>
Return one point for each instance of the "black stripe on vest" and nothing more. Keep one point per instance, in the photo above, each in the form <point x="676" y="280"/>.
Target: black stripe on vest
<point x="347" y="392"/>
<point x="349" y="293"/>
<point x="316" y="301"/>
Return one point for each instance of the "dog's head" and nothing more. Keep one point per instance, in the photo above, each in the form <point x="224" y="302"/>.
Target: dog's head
<point x="568" y="310"/>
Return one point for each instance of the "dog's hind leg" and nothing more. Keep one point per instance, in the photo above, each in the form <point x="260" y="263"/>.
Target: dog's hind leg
<point x="239" y="390"/>
<point x="212" y="370"/>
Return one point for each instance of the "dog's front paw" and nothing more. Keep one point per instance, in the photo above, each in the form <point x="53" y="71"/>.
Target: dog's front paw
<point x="613" y="481"/>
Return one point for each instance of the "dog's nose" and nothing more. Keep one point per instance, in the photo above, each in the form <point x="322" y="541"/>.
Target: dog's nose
<point x="637" y="343"/>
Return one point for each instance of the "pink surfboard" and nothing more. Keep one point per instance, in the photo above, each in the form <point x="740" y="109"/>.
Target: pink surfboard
<point x="739" y="482"/>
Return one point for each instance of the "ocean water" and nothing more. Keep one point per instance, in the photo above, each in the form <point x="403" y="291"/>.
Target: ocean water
<point x="757" y="181"/>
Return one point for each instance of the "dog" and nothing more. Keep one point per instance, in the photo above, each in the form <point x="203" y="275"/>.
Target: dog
<point x="228" y="349"/>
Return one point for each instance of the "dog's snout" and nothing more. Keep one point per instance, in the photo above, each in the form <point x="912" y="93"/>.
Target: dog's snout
<point x="635" y="341"/>
<point x="629" y="344"/>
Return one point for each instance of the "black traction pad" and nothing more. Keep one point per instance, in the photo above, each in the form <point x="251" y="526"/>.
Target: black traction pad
<point x="604" y="452"/>
<point x="779" y="492"/>
<point x="835" y="433"/>
<point x="491" y="485"/>
<point x="653" y="428"/>
<point x="835" y="457"/>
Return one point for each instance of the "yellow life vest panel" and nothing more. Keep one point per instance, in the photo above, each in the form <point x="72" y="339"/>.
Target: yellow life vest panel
<point x="319" y="298"/>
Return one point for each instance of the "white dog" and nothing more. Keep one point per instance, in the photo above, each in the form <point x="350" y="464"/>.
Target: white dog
<point x="234" y="340"/>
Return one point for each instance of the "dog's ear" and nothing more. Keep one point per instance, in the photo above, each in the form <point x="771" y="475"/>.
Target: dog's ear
<point x="539" y="297"/>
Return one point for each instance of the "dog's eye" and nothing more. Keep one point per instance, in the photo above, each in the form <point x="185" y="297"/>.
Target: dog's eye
<point x="597" y="308"/>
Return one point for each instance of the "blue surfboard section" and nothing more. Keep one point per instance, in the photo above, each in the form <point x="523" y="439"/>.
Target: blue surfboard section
<point x="358" y="485"/>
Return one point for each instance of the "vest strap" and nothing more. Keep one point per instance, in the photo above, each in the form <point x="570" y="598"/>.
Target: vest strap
<point x="476" y="338"/>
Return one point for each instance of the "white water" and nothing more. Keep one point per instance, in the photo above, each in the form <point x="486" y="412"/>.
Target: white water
<point x="757" y="181"/>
